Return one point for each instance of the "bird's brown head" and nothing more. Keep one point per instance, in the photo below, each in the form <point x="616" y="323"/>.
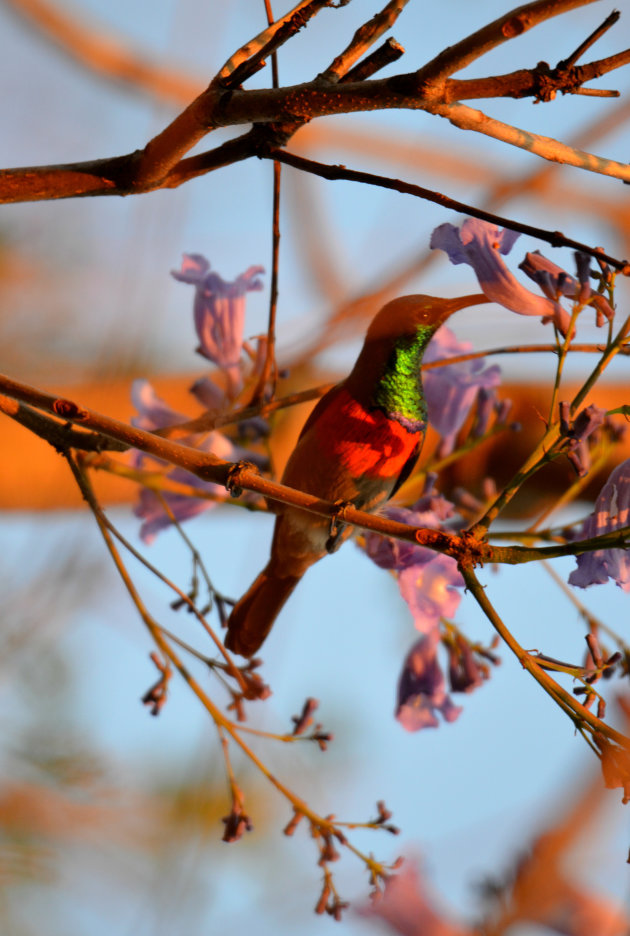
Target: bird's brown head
<point x="405" y="315"/>
<point x="394" y="345"/>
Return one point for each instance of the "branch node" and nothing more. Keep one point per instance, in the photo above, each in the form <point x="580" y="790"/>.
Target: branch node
<point x="69" y="410"/>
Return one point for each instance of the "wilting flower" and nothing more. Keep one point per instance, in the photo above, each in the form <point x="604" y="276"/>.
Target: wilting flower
<point x="479" y="244"/>
<point x="612" y="512"/>
<point x="555" y="282"/>
<point x="585" y="424"/>
<point x="451" y="391"/>
<point x="219" y="312"/>
<point x="464" y="672"/>
<point x="422" y="687"/>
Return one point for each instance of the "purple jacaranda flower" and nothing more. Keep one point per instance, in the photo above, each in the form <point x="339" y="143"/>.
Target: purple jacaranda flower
<point x="422" y="687"/>
<point x="155" y="413"/>
<point x="585" y="424"/>
<point x="431" y="510"/>
<point x="480" y="244"/>
<point x="428" y="581"/>
<point x="431" y="589"/>
<point x="407" y="908"/>
<point x="452" y="390"/>
<point x="219" y="312"/>
<point x="612" y="512"/>
<point x="555" y="282"/>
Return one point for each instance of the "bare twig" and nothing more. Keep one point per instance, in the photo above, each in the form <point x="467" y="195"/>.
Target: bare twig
<point x="555" y="238"/>
<point x="508" y="26"/>
<point x="364" y="37"/>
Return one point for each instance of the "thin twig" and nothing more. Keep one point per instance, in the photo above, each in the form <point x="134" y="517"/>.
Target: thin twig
<point x="567" y="702"/>
<point x="363" y="38"/>
<point x="555" y="238"/>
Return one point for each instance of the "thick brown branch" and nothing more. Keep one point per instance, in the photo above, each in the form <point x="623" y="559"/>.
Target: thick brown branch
<point x="464" y="548"/>
<point x="160" y="164"/>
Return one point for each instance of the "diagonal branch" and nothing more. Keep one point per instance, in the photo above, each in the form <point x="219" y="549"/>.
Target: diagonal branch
<point x="467" y="118"/>
<point x="506" y="27"/>
<point x="364" y="37"/>
<point x="250" y="58"/>
<point x="555" y="238"/>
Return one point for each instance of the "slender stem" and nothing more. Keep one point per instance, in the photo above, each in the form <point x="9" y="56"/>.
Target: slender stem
<point x="588" y="615"/>
<point x="333" y="172"/>
<point x="327" y="825"/>
<point x="544" y="451"/>
<point x="562" y="356"/>
<point x="576" y="712"/>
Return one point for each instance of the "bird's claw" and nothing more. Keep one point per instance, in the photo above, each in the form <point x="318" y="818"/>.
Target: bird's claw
<point x="232" y="482"/>
<point x="337" y="526"/>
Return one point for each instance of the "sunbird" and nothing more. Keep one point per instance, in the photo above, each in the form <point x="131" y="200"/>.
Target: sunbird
<point x="359" y="444"/>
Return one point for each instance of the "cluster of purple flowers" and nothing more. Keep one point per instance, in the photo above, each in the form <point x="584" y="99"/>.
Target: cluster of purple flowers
<point x="481" y="244"/>
<point x="452" y="391"/>
<point x="430" y="584"/>
<point x="219" y="317"/>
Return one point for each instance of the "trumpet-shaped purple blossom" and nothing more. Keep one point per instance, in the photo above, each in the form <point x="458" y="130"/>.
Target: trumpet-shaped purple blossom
<point x="451" y="391"/>
<point x="481" y="244"/>
<point x="422" y="687"/>
<point x="431" y="589"/>
<point x="612" y="512"/>
<point x="219" y="312"/>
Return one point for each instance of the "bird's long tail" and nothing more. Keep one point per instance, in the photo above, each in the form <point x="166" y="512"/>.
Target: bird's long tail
<point x="252" y="617"/>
